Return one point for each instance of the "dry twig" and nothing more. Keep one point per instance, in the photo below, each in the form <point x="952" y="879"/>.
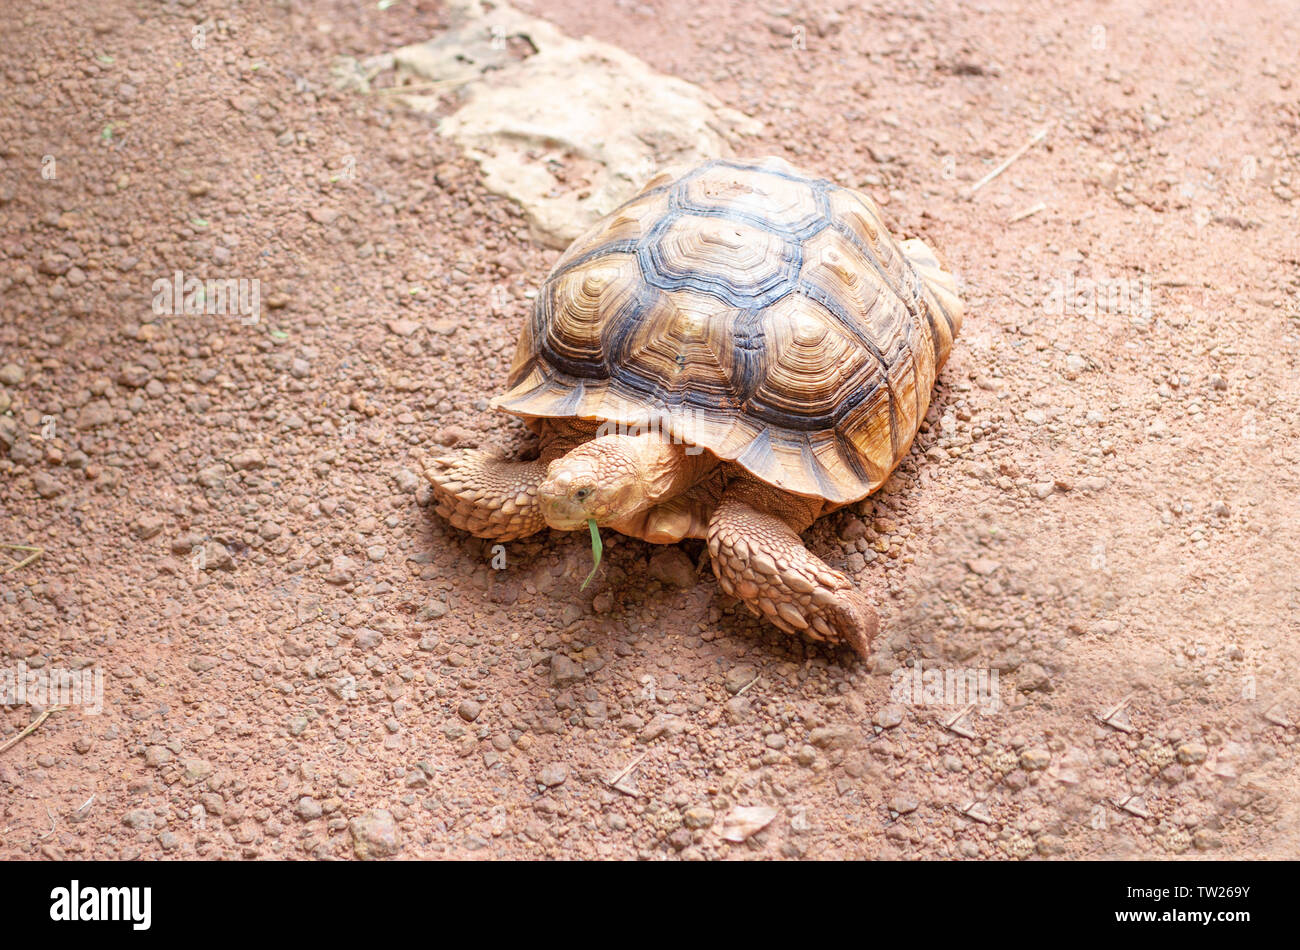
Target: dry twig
<point x="1006" y="163"/>
<point x="32" y="727"/>
<point x="30" y="559"/>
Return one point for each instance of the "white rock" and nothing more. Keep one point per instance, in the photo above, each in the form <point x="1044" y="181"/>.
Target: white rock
<point x="605" y="117"/>
<point x="744" y="822"/>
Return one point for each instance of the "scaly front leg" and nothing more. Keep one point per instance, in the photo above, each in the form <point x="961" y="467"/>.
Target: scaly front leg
<point x="487" y="496"/>
<point x="761" y="559"/>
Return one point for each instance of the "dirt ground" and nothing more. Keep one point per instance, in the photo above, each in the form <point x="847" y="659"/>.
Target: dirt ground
<point x="300" y="661"/>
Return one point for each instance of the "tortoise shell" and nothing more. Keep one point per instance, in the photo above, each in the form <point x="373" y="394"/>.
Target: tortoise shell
<point x="764" y="315"/>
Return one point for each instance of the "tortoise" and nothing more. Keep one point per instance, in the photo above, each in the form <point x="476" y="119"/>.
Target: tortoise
<point x="733" y="353"/>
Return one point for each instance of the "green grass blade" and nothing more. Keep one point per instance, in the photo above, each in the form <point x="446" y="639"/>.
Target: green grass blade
<point x="597" y="549"/>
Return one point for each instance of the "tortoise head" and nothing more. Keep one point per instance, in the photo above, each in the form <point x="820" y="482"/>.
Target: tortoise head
<point x="602" y="479"/>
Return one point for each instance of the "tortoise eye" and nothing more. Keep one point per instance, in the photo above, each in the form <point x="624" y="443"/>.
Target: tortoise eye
<point x="582" y="493"/>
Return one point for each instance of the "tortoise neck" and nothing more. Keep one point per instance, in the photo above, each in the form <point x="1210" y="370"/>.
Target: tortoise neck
<point x="667" y="468"/>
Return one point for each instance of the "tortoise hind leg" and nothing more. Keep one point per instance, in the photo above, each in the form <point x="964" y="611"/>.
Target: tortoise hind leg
<point x="760" y="558"/>
<point x="486" y="495"/>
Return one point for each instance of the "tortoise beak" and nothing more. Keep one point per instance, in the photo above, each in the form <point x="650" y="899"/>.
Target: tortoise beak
<point x="561" y="515"/>
<point x="558" y="507"/>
